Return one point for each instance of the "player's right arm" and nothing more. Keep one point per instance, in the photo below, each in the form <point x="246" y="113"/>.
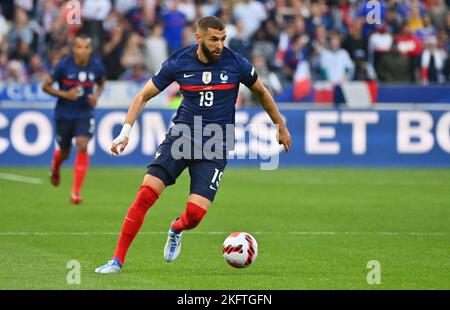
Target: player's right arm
<point x="137" y="105"/>
<point x="47" y="87"/>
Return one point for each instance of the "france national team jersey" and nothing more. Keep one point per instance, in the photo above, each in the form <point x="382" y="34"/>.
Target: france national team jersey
<point x="209" y="90"/>
<point x="69" y="75"/>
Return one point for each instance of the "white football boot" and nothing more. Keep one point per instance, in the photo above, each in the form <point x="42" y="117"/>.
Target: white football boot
<point x="173" y="245"/>
<point x="113" y="266"/>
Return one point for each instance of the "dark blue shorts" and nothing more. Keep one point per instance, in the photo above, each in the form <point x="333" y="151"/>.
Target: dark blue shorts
<point x="205" y="174"/>
<point x="67" y="129"/>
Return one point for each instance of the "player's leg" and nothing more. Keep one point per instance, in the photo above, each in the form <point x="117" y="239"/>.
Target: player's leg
<point x="84" y="130"/>
<point x="64" y="135"/>
<point x="205" y="179"/>
<point x="162" y="172"/>
<point x="149" y="192"/>
<point x="80" y="168"/>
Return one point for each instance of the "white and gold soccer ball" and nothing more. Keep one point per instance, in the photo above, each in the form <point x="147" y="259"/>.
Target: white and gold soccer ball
<point x="240" y="249"/>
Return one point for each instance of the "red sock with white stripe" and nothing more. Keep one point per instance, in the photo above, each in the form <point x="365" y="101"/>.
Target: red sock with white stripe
<point x="190" y="218"/>
<point x="80" y="168"/>
<point x="145" y="198"/>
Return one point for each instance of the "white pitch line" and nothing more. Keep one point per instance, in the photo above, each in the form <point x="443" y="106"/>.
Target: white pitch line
<point x="305" y="233"/>
<point x="19" y="178"/>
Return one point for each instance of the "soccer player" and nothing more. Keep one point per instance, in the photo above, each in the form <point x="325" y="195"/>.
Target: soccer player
<point x="76" y="75"/>
<point x="209" y="75"/>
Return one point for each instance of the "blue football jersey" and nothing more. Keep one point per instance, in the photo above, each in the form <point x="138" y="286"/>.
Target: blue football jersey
<point x="69" y="75"/>
<point x="209" y="90"/>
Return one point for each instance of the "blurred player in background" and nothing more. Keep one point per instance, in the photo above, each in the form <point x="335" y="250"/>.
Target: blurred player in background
<point x="209" y="75"/>
<point x="76" y="76"/>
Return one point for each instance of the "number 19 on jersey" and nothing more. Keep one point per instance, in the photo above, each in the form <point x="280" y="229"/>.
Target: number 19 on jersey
<point x="206" y="98"/>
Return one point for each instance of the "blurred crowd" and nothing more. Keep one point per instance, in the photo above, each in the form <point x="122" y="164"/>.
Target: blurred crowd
<point x="287" y="40"/>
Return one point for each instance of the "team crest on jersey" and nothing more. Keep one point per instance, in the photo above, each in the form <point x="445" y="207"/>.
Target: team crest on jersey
<point x="223" y="77"/>
<point x="207" y="77"/>
<point x="91" y="76"/>
<point x="82" y="76"/>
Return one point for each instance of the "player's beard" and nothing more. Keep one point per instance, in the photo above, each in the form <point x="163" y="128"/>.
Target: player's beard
<point x="208" y="54"/>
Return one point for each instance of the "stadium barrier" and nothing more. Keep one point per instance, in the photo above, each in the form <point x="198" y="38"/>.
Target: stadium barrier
<point x="117" y="94"/>
<point x="387" y="138"/>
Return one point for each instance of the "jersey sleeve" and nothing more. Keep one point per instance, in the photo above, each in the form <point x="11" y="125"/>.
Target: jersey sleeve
<point x="248" y="74"/>
<point x="58" y="71"/>
<point x="164" y="75"/>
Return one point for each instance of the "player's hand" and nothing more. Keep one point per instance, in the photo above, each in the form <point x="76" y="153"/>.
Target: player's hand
<point x="284" y="137"/>
<point x="92" y="100"/>
<point x="121" y="140"/>
<point x="71" y="94"/>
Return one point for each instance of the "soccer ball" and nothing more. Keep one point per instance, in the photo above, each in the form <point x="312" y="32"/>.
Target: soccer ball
<point x="240" y="249"/>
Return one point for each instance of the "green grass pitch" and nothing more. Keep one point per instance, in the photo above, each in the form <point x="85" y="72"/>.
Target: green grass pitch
<point x="316" y="229"/>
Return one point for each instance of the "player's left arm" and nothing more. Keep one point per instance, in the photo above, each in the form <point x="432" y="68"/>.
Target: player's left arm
<point x="269" y="105"/>
<point x="93" y="98"/>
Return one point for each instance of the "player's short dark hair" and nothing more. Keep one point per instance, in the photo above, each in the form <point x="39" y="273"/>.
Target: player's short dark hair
<point x="83" y="36"/>
<point x="210" y="22"/>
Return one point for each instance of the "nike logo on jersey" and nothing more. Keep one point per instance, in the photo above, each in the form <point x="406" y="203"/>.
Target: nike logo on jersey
<point x="212" y="188"/>
<point x="188" y="75"/>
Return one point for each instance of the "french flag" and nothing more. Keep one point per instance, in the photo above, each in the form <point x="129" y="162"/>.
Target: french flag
<point x="354" y="94"/>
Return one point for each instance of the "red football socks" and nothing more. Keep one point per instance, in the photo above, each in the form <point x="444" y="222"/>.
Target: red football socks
<point x="80" y="168"/>
<point x="57" y="161"/>
<point x="190" y="218"/>
<point x="145" y="198"/>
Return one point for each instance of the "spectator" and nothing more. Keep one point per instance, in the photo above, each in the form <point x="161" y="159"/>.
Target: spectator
<point x="335" y="62"/>
<point x="263" y="45"/>
<point x="57" y="42"/>
<point x="136" y="73"/>
<point x="174" y="22"/>
<point x="258" y="15"/>
<point x="4" y="72"/>
<point x="438" y="13"/>
<point x="36" y="69"/>
<point x="380" y="43"/>
<point x="364" y="71"/>
<point x="232" y="32"/>
<point x="20" y="35"/>
<point x="415" y="19"/>
<point x="394" y="66"/>
<point x="133" y="54"/>
<point x="241" y="44"/>
<point x="156" y="49"/>
<point x="392" y="20"/>
<point x="4" y="29"/>
<point x="410" y="46"/>
<point x="187" y="7"/>
<point x="427" y="30"/>
<point x="113" y="50"/>
<point x="17" y="72"/>
<point x="354" y="39"/>
<point x="295" y="53"/>
<point x="432" y="62"/>
<point x="94" y="12"/>
<point x="138" y="18"/>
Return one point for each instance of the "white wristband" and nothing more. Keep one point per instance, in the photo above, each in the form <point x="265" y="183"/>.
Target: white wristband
<point x="125" y="130"/>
